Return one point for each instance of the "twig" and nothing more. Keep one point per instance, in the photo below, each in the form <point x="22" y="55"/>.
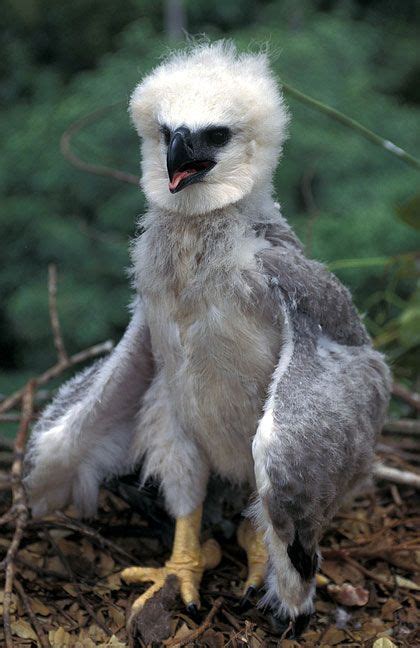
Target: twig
<point x="391" y="450"/>
<point x="95" y="536"/>
<point x="353" y="124"/>
<point x="55" y="322"/>
<point x="201" y="628"/>
<point x="412" y="398"/>
<point x="343" y="554"/>
<point x="34" y="621"/>
<point x="82" y="600"/>
<point x="56" y="370"/>
<point x="41" y="571"/>
<point x="403" y="426"/>
<point x="19" y="506"/>
<point x="96" y="169"/>
<point x="9" y="516"/>
<point x="394" y="475"/>
<point x="13" y="418"/>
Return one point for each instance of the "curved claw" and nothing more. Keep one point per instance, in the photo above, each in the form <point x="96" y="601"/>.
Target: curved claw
<point x="192" y="611"/>
<point x="188" y="561"/>
<point x="245" y="600"/>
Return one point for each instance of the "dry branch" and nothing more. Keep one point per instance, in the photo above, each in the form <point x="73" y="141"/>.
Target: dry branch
<point x="395" y="475"/>
<point x="412" y="398"/>
<point x="403" y="426"/>
<point x="34" y="621"/>
<point x="191" y="638"/>
<point x="55" y="322"/>
<point x="96" y="169"/>
<point x="56" y="370"/>
<point x="19" y="508"/>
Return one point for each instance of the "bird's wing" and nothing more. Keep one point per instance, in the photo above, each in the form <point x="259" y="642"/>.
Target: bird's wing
<point x="307" y="287"/>
<point x="84" y="436"/>
<point x="326" y="403"/>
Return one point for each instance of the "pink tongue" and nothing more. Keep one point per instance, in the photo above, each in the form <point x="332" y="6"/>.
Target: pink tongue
<point x="180" y="175"/>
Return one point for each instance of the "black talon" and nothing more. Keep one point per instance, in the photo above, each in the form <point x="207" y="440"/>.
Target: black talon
<point x="192" y="611"/>
<point x="245" y="599"/>
<point x="279" y="624"/>
<point x="301" y="623"/>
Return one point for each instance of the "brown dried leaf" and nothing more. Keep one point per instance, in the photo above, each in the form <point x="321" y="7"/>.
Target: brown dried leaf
<point x="113" y="642"/>
<point x="96" y="633"/>
<point x="88" y="550"/>
<point x="340" y="572"/>
<point x="113" y="582"/>
<point x="333" y="636"/>
<point x="39" y="608"/>
<point x="106" y="565"/>
<point x="383" y="642"/>
<point x="372" y="628"/>
<point x="406" y="583"/>
<point x="347" y="594"/>
<point x="70" y="589"/>
<point x="23" y="629"/>
<point x="59" y="638"/>
<point x="85" y="642"/>
<point x="213" y="639"/>
<point x="117" y="616"/>
<point x="389" y="608"/>
<point x="54" y="564"/>
<point x="182" y="632"/>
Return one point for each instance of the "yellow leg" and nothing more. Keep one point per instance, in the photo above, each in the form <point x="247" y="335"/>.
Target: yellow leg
<point x="188" y="561"/>
<point x="252" y="542"/>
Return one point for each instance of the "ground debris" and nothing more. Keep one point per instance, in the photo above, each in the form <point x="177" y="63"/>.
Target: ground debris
<point x="369" y="597"/>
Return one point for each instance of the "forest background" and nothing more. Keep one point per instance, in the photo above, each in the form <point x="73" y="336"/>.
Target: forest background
<point x="355" y="206"/>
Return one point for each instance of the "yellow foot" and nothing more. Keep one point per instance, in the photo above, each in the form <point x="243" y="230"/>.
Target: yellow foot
<point x="188" y="561"/>
<point x="252" y="542"/>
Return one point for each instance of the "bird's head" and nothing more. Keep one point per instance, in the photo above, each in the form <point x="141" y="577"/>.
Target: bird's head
<point x="212" y="123"/>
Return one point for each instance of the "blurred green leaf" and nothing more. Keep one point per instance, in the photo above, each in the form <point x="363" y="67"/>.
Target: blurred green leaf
<point x="409" y="212"/>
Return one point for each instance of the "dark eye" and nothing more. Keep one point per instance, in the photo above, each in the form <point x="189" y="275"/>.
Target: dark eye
<point x="166" y="134"/>
<point x="217" y="136"/>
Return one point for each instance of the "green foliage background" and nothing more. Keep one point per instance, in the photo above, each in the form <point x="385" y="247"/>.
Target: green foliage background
<point x="354" y="205"/>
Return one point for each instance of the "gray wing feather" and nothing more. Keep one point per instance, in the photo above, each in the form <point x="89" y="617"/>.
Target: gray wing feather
<point x="308" y="287"/>
<point x="326" y="404"/>
<point x="85" y="434"/>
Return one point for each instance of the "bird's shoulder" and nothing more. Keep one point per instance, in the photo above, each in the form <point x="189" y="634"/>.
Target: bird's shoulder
<point x="307" y="287"/>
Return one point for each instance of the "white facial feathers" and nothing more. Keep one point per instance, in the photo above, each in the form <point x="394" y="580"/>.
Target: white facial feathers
<point x="201" y="87"/>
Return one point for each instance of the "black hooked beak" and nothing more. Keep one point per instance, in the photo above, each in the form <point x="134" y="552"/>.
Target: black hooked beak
<point x="186" y="161"/>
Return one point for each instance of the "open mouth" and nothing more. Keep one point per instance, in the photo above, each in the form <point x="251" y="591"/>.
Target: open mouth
<point x="189" y="172"/>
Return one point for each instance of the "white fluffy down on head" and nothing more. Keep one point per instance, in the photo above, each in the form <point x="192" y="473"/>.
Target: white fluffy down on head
<point x="211" y="85"/>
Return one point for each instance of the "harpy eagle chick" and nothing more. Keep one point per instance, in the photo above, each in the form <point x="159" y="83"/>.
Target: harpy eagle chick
<point x="242" y="356"/>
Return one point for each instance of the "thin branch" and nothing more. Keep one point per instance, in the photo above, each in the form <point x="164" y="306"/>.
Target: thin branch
<point x="95" y="536"/>
<point x="9" y="418"/>
<point x="96" y="169"/>
<point x="56" y="370"/>
<point x="353" y="124"/>
<point x="19" y="506"/>
<point x="55" y="322"/>
<point x="394" y="475"/>
<point x="412" y="398"/>
<point x="34" y="621"/>
<point x="403" y="426"/>
<point x="122" y="176"/>
<point x="343" y="554"/>
<point x="201" y="628"/>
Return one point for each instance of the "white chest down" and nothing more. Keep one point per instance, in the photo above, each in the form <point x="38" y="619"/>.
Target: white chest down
<point x="216" y="352"/>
